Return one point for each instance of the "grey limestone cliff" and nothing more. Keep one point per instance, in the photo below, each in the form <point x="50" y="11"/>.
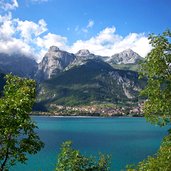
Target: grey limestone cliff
<point x="54" y="61"/>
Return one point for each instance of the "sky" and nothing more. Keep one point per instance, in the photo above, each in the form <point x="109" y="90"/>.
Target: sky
<point x="105" y="27"/>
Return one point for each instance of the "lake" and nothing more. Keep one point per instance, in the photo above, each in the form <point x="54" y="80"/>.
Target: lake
<point x="128" y="140"/>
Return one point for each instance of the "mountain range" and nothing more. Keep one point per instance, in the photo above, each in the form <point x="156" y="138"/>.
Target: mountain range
<point x="79" y="79"/>
<point x="56" y="61"/>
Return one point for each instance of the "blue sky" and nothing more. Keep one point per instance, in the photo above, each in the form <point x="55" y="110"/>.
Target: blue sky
<point x="102" y="26"/>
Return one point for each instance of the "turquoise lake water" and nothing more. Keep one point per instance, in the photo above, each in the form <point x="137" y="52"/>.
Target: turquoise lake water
<point x="128" y="140"/>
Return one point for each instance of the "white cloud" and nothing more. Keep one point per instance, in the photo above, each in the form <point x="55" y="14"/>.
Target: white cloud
<point x="76" y="28"/>
<point x="137" y="42"/>
<point x="51" y="40"/>
<point x="33" y="39"/>
<point x="6" y="6"/>
<point x="6" y="27"/>
<point x="85" y="29"/>
<point x="101" y="44"/>
<point x="30" y="29"/>
<point x="18" y="36"/>
<point x="16" y="46"/>
<point x="90" y="24"/>
<point x="107" y="43"/>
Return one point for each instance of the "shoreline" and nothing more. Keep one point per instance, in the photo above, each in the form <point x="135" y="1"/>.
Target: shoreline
<point x="54" y="116"/>
<point x="87" y="116"/>
<point x="90" y="111"/>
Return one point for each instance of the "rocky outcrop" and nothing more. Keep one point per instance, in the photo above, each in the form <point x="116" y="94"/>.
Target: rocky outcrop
<point x="54" y="61"/>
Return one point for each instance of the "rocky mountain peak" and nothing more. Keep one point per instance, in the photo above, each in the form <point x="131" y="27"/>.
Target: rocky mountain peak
<point x="128" y="52"/>
<point x="54" y="62"/>
<point x="83" y="52"/>
<point x="53" y="49"/>
<point x="126" y="57"/>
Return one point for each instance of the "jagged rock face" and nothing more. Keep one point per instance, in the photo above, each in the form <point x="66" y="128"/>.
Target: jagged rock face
<point x="125" y="57"/>
<point x="53" y="63"/>
<point x="18" y="65"/>
<point x="127" y="81"/>
<point x="81" y="57"/>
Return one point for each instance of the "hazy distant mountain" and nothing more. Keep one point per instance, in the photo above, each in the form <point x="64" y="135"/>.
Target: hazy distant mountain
<point x="54" y="62"/>
<point x="18" y="65"/>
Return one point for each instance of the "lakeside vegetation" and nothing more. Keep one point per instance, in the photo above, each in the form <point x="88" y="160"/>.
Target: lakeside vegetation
<point x="70" y="159"/>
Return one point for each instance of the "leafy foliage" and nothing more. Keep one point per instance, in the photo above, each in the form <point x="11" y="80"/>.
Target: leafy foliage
<point x="70" y="159"/>
<point x="17" y="136"/>
<point x="157" y="68"/>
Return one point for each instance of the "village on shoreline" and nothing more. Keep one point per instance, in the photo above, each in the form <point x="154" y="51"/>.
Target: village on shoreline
<point x="92" y="110"/>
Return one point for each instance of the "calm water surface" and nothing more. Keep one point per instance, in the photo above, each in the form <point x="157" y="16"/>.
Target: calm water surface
<point x="128" y="140"/>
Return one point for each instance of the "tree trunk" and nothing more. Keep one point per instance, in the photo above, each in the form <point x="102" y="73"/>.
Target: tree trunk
<point x="6" y="156"/>
<point x="5" y="161"/>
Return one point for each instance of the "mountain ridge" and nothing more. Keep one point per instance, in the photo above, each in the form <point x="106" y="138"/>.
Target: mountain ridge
<point x="56" y="61"/>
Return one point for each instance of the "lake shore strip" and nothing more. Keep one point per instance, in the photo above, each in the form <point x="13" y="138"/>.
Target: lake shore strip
<point x="92" y="111"/>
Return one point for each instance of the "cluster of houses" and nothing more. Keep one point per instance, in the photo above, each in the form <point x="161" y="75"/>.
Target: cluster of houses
<point x="97" y="110"/>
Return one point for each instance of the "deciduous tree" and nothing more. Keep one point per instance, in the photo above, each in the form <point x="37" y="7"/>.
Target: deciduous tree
<point x="70" y="159"/>
<point x="17" y="130"/>
<point x="157" y="69"/>
<point x="157" y="108"/>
